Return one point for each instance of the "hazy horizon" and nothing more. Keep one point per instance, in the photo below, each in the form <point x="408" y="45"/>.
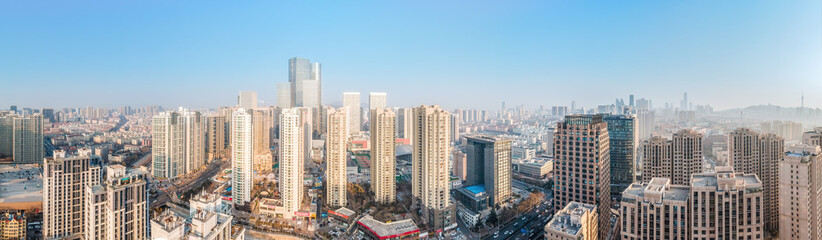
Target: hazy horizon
<point x="455" y="54"/>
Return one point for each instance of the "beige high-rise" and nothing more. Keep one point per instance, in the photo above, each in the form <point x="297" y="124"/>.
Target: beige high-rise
<point x="726" y="205"/>
<point x="292" y="158"/>
<point x="336" y="157"/>
<point x="263" y="123"/>
<point x="655" y="210"/>
<point x="813" y="137"/>
<point x="194" y="140"/>
<point x="215" y="136"/>
<point x="750" y="152"/>
<point x="576" y="221"/>
<point x="21" y="137"/>
<point x="118" y="207"/>
<point x="800" y="178"/>
<point x="351" y="100"/>
<point x="429" y="173"/>
<point x="674" y="159"/>
<point x="383" y="157"/>
<point x="64" y="181"/>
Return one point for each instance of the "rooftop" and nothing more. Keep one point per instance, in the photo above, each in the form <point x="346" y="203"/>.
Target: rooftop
<point x="389" y="230"/>
<point x="568" y="220"/>
<point x="21" y="183"/>
<point x="476" y="188"/>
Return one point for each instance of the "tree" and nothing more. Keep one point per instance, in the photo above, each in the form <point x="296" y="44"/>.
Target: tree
<point x="493" y="219"/>
<point x="477" y="226"/>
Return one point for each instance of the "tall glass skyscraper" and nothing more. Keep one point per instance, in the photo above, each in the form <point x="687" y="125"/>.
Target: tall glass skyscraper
<point x="622" y="130"/>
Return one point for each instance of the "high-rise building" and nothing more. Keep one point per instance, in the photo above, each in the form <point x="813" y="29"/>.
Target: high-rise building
<point x="117" y="208"/>
<point x="263" y="123"/>
<point x="460" y="165"/>
<point x="336" y="157"/>
<point x="455" y="129"/>
<point x="646" y="121"/>
<point x="215" y="136"/>
<point x="811" y="137"/>
<point x="21" y="137"/>
<point x="167" y="145"/>
<point x="64" y="194"/>
<point x="351" y="100"/>
<point x="291" y="160"/>
<point x="242" y="146"/>
<point x="674" y="159"/>
<point x="404" y="123"/>
<point x="726" y="205"/>
<point x="489" y="164"/>
<point x="207" y="221"/>
<point x="655" y="210"/>
<point x="194" y="140"/>
<point x="800" y="178"/>
<point x="429" y="160"/>
<point x="582" y="165"/>
<point x="247" y="99"/>
<point x="306" y="83"/>
<point x="178" y="143"/>
<point x="576" y="221"/>
<point x="284" y="95"/>
<point x="377" y="100"/>
<point x="383" y="157"/>
<point x="750" y="152"/>
<point x="622" y="130"/>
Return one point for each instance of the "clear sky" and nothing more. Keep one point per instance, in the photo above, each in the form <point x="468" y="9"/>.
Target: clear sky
<point x="458" y="54"/>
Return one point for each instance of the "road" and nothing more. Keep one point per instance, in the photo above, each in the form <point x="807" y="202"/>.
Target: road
<point x="120" y="124"/>
<point x="212" y="170"/>
<point x="533" y="221"/>
<point x="142" y="161"/>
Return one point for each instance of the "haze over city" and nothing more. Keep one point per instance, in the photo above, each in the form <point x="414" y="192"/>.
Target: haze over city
<point x="729" y="54"/>
<point x="411" y="120"/>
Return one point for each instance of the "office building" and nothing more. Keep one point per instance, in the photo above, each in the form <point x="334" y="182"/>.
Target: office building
<point x="247" y="99"/>
<point x="284" y="95"/>
<point x="351" y="100"/>
<point x="726" y="205"/>
<point x="582" y="165"/>
<point x="655" y="210"/>
<point x="305" y="78"/>
<point x="750" y="152"/>
<point x="242" y="145"/>
<point x="489" y="164"/>
<point x="429" y="160"/>
<point x="64" y="182"/>
<point x="292" y="157"/>
<point x="675" y="159"/>
<point x="800" y="198"/>
<point x="215" y="136"/>
<point x="377" y="100"/>
<point x="336" y="157"/>
<point x="575" y="221"/>
<point x="383" y="157"/>
<point x="622" y="130"/>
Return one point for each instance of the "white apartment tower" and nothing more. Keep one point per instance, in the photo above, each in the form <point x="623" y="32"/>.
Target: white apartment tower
<point x="336" y="157"/>
<point x="800" y="195"/>
<point x="178" y="143"/>
<point x="429" y="160"/>
<point x="21" y="137"/>
<point x="242" y="144"/>
<point x="351" y="100"/>
<point x="292" y="157"/>
<point x="383" y="157"/>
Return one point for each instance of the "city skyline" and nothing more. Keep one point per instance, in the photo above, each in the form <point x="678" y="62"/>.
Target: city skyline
<point x="722" y="54"/>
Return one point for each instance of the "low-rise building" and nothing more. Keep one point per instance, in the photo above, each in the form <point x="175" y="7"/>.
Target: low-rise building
<point x="376" y="230"/>
<point x="13" y="225"/>
<point x="535" y="167"/>
<point x="577" y="221"/>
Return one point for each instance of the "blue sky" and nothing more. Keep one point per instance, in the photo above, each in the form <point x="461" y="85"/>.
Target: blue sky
<point x="458" y="54"/>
